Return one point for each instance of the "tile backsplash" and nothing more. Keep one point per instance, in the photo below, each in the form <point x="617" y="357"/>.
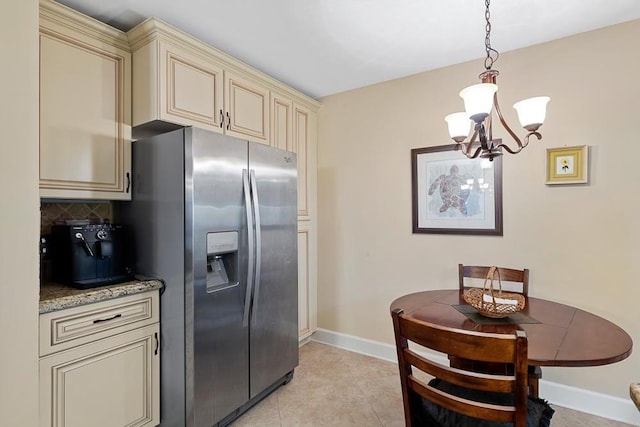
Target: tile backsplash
<point x="50" y="213"/>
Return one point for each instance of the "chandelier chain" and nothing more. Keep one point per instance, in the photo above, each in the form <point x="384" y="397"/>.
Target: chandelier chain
<point x="492" y="54"/>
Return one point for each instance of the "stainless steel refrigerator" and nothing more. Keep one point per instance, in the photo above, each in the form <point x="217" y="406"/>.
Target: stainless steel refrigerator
<point x="215" y="217"/>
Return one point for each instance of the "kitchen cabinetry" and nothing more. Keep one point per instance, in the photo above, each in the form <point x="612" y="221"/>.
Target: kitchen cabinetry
<point x="175" y="85"/>
<point x="85" y="118"/>
<point x="180" y="80"/>
<point x="99" y="364"/>
<point x="304" y="144"/>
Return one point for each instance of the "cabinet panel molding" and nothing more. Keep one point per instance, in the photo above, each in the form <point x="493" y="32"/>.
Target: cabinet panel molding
<point x="190" y="79"/>
<point x="281" y="122"/>
<point x="247" y="108"/>
<point x="307" y="279"/>
<point x="304" y="144"/>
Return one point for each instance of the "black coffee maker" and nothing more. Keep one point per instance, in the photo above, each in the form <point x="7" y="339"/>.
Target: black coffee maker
<point x="87" y="255"/>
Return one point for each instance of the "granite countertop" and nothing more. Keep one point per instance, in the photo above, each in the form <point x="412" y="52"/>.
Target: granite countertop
<point x="54" y="296"/>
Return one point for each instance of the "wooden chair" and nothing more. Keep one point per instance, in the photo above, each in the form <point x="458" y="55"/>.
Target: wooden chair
<point x="634" y="392"/>
<point x="422" y="401"/>
<point x="506" y="275"/>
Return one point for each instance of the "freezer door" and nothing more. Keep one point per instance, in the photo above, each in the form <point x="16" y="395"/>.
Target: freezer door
<point x="217" y="262"/>
<point x="274" y="313"/>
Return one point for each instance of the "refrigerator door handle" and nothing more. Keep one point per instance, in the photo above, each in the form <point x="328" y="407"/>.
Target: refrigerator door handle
<point x="250" y="238"/>
<point x="254" y="195"/>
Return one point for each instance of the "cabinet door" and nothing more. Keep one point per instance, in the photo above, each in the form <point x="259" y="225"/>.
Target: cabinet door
<point x="85" y="132"/>
<point x="304" y="144"/>
<point x="112" y="382"/>
<point x="281" y="122"/>
<point x="247" y="109"/>
<point x="307" y="300"/>
<point x="192" y="86"/>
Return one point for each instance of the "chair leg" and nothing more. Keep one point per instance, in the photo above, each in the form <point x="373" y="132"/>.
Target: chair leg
<point x="535" y="373"/>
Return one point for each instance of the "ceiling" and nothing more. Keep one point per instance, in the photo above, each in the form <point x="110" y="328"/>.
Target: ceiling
<point x="322" y="47"/>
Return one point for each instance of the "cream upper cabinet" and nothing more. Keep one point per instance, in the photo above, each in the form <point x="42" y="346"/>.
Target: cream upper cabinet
<point x="176" y="85"/>
<point x="305" y="145"/>
<point x="281" y="122"/>
<point x="247" y="112"/>
<point x="178" y="79"/>
<point x="85" y="118"/>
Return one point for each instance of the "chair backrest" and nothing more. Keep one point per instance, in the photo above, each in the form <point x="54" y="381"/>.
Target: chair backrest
<point x="487" y="347"/>
<point x="506" y="275"/>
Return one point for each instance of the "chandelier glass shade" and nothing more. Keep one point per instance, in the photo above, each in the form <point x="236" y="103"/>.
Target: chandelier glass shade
<point x="480" y="101"/>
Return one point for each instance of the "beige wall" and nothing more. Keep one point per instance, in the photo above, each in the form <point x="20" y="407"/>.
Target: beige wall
<point x="20" y="219"/>
<point x="581" y="243"/>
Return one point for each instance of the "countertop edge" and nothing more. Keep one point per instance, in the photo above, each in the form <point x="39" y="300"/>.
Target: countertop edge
<point x="54" y="297"/>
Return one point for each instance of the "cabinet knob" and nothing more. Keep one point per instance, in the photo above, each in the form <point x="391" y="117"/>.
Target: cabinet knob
<point x="228" y="121"/>
<point x="221" y="118"/>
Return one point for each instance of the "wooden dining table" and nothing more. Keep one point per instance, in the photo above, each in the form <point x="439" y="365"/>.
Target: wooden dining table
<point x="558" y="334"/>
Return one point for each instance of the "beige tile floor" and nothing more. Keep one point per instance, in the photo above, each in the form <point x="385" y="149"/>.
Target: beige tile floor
<point x="334" y="387"/>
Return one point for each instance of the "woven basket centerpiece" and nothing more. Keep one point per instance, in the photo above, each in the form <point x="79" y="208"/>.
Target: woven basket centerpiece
<point x="494" y="304"/>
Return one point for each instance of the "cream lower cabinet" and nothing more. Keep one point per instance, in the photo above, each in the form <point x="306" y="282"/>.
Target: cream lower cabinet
<point x="85" y="107"/>
<point x="307" y="279"/>
<point x="100" y="364"/>
<point x="110" y="383"/>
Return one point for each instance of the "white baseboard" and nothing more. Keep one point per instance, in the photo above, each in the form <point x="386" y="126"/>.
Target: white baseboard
<point x="602" y="405"/>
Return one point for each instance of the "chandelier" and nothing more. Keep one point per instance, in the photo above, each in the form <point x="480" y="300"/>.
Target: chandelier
<point x="479" y="102"/>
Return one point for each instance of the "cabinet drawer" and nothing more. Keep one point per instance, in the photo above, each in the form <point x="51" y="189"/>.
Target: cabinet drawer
<point x="64" y="329"/>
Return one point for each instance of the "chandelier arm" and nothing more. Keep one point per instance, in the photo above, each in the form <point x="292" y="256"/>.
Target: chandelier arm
<point x="509" y="150"/>
<point x="526" y="142"/>
<point x="467" y="148"/>
<point x="506" y="126"/>
<point x="488" y="125"/>
<point x="473" y="137"/>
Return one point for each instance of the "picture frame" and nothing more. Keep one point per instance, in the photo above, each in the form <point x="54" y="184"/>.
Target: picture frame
<point x="439" y="207"/>
<point x="568" y="165"/>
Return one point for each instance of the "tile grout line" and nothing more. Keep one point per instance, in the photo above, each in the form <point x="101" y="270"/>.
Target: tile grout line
<point x="370" y="404"/>
<point x="278" y="403"/>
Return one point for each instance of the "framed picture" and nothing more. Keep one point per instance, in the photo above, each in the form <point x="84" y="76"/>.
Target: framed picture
<point x="455" y="195"/>
<point x="568" y="165"/>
